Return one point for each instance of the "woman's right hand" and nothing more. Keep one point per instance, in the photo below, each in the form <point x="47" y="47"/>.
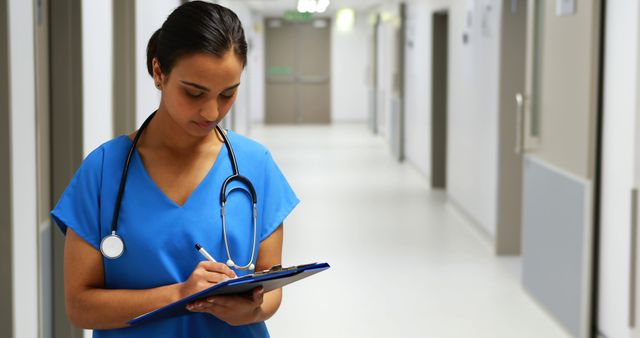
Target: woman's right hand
<point x="205" y="275"/>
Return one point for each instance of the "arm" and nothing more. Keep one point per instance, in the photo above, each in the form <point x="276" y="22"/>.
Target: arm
<point x="90" y="305"/>
<point x="240" y="310"/>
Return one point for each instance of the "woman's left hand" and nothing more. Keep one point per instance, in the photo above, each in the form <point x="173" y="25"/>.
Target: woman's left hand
<point x="233" y="309"/>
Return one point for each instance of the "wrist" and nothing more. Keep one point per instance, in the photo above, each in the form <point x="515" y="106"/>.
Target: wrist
<point x="178" y="292"/>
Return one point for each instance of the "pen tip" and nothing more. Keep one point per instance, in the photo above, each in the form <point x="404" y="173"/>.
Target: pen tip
<point x="198" y="247"/>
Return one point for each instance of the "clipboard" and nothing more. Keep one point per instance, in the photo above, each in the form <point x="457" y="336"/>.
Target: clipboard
<point x="271" y="279"/>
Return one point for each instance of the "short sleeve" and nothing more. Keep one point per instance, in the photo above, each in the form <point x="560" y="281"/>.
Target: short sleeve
<point x="278" y="198"/>
<point x="79" y="206"/>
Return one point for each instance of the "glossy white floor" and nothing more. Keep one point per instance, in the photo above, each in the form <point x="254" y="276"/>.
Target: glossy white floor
<point x="404" y="262"/>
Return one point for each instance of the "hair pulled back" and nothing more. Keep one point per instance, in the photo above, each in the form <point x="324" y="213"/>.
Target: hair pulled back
<point x="196" y="27"/>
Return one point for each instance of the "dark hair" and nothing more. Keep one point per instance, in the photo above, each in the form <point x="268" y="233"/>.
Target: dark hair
<point x="196" y="27"/>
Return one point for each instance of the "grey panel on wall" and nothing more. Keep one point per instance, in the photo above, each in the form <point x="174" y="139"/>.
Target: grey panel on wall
<point x="556" y="243"/>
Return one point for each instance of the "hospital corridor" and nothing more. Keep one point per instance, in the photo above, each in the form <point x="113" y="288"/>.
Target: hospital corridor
<point x="418" y="265"/>
<point x="320" y="168"/>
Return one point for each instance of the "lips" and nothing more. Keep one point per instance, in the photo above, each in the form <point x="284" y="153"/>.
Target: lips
<point x="205" y="125"/>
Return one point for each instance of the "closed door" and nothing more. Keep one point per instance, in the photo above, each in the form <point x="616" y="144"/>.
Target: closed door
<point x="298" y="71"/>
<point x="560" y="143"/>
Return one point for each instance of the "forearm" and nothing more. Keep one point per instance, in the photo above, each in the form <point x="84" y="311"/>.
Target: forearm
<point x="270" y="304"/>
<point x="96" y="308"/>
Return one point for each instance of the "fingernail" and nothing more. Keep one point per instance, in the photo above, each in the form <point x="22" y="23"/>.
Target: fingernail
<point x="211" y="300"/>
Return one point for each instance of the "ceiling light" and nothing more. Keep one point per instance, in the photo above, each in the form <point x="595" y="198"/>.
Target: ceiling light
<point x="313" y="6"/>
<point x="345" y="19"/>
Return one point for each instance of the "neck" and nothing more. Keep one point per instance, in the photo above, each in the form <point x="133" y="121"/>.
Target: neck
<point x="163" y="132"/>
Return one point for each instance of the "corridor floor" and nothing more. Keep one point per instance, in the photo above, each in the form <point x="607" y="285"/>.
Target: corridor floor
<point x="404" y="262"/>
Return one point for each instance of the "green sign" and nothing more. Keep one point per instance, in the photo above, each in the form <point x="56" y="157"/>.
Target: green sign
<point x="280" y="71"/>
<point x="295" y="16"/>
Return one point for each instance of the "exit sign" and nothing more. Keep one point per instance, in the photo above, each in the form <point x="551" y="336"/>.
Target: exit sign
<point x="295" y="16"/>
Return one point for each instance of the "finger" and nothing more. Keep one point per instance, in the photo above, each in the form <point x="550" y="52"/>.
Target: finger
<point x="214" y="277"/>
<point x="258" y="296"/>
<point x="217" y="267"/>
<point x="232" y="301"/>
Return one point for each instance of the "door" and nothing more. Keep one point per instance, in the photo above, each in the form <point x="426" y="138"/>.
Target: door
<point x="512" y="80"/>
<point x="439" y="79"/>
<point x="66" y="128"/>
<point x="389" y="79"/>
<point x="298" y="66"/>
<point x="561" y="109"/>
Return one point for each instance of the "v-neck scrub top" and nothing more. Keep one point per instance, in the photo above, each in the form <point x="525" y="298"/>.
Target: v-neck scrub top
<point x="159" y="235"/>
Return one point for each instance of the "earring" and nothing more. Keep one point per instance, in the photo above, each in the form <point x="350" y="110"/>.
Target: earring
<point x="158" y="85"/>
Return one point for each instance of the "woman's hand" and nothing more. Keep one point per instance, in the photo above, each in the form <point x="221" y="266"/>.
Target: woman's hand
<point x="233" y="309"/>
<point x="205" y="275"/>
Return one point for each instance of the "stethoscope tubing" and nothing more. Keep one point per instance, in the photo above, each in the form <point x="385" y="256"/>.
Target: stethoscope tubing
<point x="223" y="199"/>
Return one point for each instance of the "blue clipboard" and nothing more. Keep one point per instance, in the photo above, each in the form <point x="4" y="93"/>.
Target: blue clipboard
<point x="271" y="279"/>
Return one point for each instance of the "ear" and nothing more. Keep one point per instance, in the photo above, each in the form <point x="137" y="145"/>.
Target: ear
<point x="158" y="77"/>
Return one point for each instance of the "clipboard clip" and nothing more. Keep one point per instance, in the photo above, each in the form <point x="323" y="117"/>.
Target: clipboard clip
<point x="279" y="268"/>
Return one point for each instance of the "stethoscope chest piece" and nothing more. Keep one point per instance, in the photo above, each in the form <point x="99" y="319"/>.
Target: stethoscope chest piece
<point x="112" y="246"/>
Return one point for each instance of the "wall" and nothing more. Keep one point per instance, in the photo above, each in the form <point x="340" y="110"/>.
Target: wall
<point x="618" y="155"/>
<point x="255" y="68"/>
<point x="97" y="73"/>
<point x="473" y="102"/>
<point x="349" y="52"/>
<point x="245" y="99"/>
<point x="150" y="14"/>
<point x="23" y="167"/>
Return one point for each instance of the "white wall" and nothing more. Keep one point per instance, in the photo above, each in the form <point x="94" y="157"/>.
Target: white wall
<point x="97" y="73"/>
<point x="245" y="99"/>
<point x="472" y="154"/>
<point x="255" y="68"/>
<point x="150" y="14"/>
<point x="618" y="155"/>
<point x="22" y="112"/>
<point x="349" y="54"/>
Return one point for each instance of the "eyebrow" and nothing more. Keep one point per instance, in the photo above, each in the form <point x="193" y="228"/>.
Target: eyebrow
<point x="207" y="89"/>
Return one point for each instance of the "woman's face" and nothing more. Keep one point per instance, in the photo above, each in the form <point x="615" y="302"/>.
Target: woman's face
<point x="200" y="90"/>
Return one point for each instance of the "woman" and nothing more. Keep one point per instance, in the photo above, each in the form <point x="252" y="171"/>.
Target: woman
<point x="171" y="198"/>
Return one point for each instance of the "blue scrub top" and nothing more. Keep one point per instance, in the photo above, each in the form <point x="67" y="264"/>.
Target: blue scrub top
<point x="159" y="235"/>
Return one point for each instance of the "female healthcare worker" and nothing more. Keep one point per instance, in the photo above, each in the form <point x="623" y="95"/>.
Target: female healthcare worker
<point x="126" y="257"/>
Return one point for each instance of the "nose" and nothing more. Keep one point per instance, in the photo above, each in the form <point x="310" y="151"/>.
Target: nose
<point x="210" y="111"/>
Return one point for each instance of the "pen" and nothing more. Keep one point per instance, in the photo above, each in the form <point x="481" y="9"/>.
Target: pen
<point x="204" y="252"/>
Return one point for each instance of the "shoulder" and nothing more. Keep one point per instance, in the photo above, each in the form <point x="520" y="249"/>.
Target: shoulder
<point x="246" y="146"/>
<point x="109" y="150"/>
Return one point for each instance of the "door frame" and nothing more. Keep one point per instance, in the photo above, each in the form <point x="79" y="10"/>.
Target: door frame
<point x="6" y="246"/>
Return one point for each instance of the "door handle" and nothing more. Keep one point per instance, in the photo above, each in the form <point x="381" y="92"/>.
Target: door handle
<point x="519" y="149"/>
<point x="633" y="258"/>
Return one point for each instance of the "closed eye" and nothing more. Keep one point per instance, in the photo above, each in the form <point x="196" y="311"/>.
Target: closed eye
<point x="194" y="93"/>
<point x="227" y="95"/>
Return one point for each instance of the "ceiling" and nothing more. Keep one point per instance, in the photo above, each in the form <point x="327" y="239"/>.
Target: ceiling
<point x="278" y="7"/>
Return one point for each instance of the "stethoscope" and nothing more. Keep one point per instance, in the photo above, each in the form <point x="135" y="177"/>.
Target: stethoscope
<point x="112" y="246"/>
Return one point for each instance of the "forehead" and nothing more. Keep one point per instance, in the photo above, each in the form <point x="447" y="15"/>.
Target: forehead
<point x="208" y="70"/>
